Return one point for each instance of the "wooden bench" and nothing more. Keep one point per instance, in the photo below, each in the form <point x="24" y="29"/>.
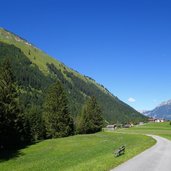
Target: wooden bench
<point x="120" y="151"/>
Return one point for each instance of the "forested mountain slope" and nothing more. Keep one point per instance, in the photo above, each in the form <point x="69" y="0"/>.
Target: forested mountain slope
<point x="35" y="71"/>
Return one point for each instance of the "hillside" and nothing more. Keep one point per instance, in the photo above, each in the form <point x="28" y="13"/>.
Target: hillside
<point x="35" y="71"/>
<point x="161" y="111"/>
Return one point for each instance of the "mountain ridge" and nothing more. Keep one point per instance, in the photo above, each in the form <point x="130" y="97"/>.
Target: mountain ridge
<point x="13" y="37"/>
<point x="163" y="111"/>
<point x="79" y="86"/>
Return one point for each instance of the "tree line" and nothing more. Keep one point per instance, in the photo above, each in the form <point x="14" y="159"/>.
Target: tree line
<point x="53" y="119"/>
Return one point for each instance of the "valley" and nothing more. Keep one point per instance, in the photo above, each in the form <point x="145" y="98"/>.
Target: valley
<point x="85" y="85"/>
<point x="95" y="151"/>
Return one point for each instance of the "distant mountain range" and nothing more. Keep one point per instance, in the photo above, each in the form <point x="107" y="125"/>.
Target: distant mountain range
<point x="161" y="111"/>
<point x="36" y="70"/>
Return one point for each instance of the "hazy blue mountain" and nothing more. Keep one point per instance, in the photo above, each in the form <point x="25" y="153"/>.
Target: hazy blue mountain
<point x="161" y="111"/>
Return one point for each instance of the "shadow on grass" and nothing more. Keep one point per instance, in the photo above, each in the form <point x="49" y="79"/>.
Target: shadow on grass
<point x="7" y="154"/>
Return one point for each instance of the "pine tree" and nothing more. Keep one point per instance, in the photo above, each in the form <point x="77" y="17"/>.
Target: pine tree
<point x="58" y="121"/>
<point x="34" y="117"/>
<point x="11" y="120"/>
<point x="91" y="119"/>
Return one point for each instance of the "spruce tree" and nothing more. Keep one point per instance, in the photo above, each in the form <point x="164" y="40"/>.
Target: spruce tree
<point x="91" y="118"/>
<point x="34" y="117"/>
<point x="58" y="122"/>
<point x="11" y="120"/>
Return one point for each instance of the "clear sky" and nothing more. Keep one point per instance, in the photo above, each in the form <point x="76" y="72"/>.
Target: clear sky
<point x="123" y="44"/>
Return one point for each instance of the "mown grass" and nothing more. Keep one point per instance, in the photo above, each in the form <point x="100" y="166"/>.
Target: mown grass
<point x="161" y="129"/>
<point x="77" y="153"/>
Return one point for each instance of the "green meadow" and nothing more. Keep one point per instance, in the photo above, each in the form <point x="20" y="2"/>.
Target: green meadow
<point x="85" y="152"/>
<point x="161" y="129"/>
<point x="77" y="153"/>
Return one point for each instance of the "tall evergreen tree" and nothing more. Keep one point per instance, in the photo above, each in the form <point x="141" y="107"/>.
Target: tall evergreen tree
<point x="11" y="120"/>
<point x="91" y="120"/>
<point x="58" y="121"/>
<point x="34" y="117"/>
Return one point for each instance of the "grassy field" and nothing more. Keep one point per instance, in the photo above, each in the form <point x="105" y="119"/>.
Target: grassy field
<point x="77" y="153"/>
<point x="161" y="129"/>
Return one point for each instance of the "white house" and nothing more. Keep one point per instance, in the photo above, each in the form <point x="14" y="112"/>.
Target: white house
<point x="159" y="120"/>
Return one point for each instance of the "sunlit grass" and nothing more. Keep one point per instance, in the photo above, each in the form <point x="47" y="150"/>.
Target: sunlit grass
<point x="81" y="152"/>
<point x="162" y="129"/>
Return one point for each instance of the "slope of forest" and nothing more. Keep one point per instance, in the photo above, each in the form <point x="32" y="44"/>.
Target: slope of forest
<point x="35" y="71"/>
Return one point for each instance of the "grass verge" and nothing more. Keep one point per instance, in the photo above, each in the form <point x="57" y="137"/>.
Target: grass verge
<point x="82" y="152"/>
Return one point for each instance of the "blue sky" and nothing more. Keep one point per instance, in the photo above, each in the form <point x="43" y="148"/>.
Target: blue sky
<point x="123" y="44"/>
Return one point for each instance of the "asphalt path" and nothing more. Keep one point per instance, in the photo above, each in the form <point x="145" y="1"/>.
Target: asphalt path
<point x="157" y="158"/>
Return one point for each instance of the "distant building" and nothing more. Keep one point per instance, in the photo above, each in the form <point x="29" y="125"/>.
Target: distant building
<point x="162" y="120"/>
<point x="156" y="120"/>
<point x="111" y="127"/>
<point x="159" y="120"/>
<point x="127" y="126"/>
<point x="141" y="123"/>
<point x="151" y="119"/>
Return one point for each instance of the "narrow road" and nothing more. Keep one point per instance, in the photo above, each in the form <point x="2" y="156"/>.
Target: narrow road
<point x="157" y="158"/>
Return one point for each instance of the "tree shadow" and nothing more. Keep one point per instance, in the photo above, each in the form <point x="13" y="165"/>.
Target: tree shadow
<point x="7" y="154"/>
